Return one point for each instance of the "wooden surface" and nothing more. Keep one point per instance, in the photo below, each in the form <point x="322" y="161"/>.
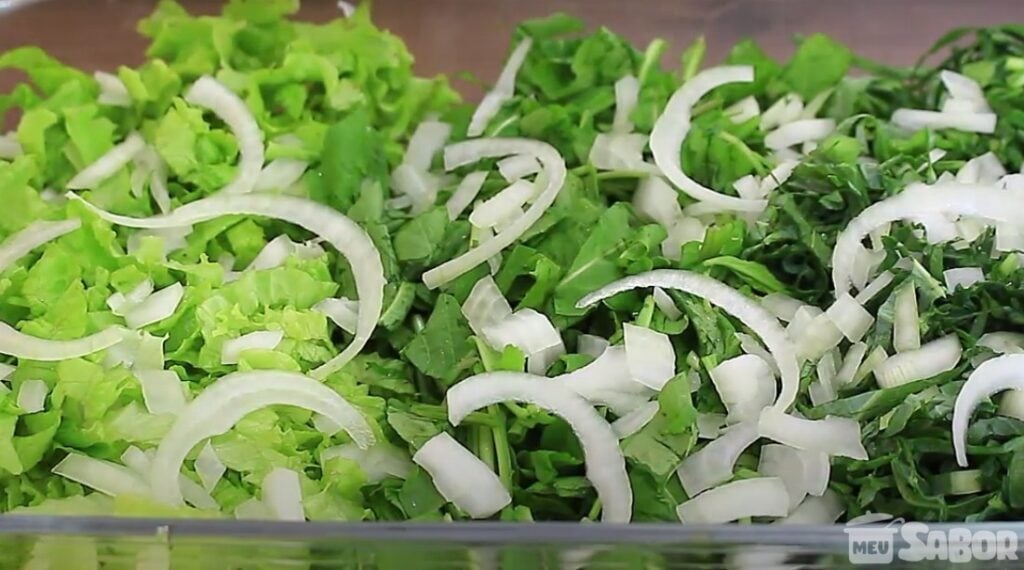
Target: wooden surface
<point x="450" y="36"/>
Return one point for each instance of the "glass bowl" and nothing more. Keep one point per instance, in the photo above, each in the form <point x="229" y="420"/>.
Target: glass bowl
<point x="453" y="36"/>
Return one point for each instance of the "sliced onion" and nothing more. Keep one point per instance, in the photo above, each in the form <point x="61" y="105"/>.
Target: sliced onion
<point x="428" y="138"/>
<point x="6" y="370"/>
<point x="518" y="166"/>
<point x="465" y="194"/>
<point x="606" y="382"/>
<point x="799" y="132"/>
<point x="121" y="303"/>
<point x="280" y="174"/>
<point x="32" y="396"/>
<point x="666" y="304"/>
<point x="485" y="306"/>
<point x="252" y="509"/>
<point x="871" y="361"/>
<point x="748" y="312"/>
<point x="171" y="239"/>
<point x="10" y="148"/>
<point x="466" y="152"/>
<point x="656" y="200"/>
<point x="620" y="151"/>
<point x="743" y="110"/>
<point x="962" y="277"/>
<point x="161" y="391"/>
<point x="823" y="510"/>
<point x="782" y="306"/>
<point x="930" y="360"/>
<point x="195" y="495"/>
<point x="378" y="461"/>
<point x="107" y="165"/>
<point x="918" y="201"/>
<point x="713" y="463"/>
<point x="849" y="317"/>
<point x="682" y="232"/>
<point x="112" y="90"/>
<point x="531" y="332"/>
<point x="673" y="125"/>
<point x="222" y="404"/>
<point x="831" y="435"/>
<point x="1002" y="342"/>
<point x="342" y="311"/>
<point x="1008" y="238"/>
<point x="627" y="93"/>
<point x="1012" y="404"/>
<point x="710" y="425"/>
<point x="906" y="331"/>
<point x="334" y="228"/>
<point x="461" y="477"/>
<point x="591" y="345"/>
<point x="103" y="476"/>
<point x="748" y="187"/>
<point x="274" y="254"/>
<point x="802" y="318"/>
<point x="649" y="356"/>
<point x="155" y="308"/>
<point x="419" y="187"/>
<point x="503" y="90"/>
<point x="282" y="493"/>
<point x="606" y="466"/>
<point x="991" y="377"/>
<point x="32" y="236"/>
<point x="745" y="386"/>
<point x="635" y="421"/>
<point x="504" y="205"/>
<point x="916" y="119"/>
<point x="803" y="472"/>
<point x="750" y="345"/>
<point x="874" y="287"/>
<point x="232" y="349"/>
<point x="869" y="518"/>
<point x="851" y="362"/>
<point x="209" y="467"/>
<point x="778" y="176"/>
<point x="209" y="93"/>
<point x="962" y="87"/>
<point x="786" y="109"/>
<point x="758" y="497"/>
<point x="137" y="460"/>
<point x="20" y="345"/>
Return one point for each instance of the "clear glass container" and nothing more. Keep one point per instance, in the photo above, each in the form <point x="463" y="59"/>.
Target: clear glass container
<point x="452" y="36"/>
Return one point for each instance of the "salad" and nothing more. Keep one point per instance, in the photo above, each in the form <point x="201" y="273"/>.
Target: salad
<point x="273" y="274"/>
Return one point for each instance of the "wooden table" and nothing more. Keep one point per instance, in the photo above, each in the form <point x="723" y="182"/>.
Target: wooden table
<point x="449" y="36"/>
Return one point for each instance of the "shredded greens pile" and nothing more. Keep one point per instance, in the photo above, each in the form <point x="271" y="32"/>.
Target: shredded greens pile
<point x="774" y="354"/>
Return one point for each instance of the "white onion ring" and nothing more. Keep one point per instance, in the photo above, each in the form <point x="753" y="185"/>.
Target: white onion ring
<point x="747" y="311"/>
<point x="466" y="152"/>
<point x="606" y="466"/>
<point x="211" y="94"/>
<point x="947" y="199"/>
<point x="992" y="376"/>
<point x="673" y="125"/>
